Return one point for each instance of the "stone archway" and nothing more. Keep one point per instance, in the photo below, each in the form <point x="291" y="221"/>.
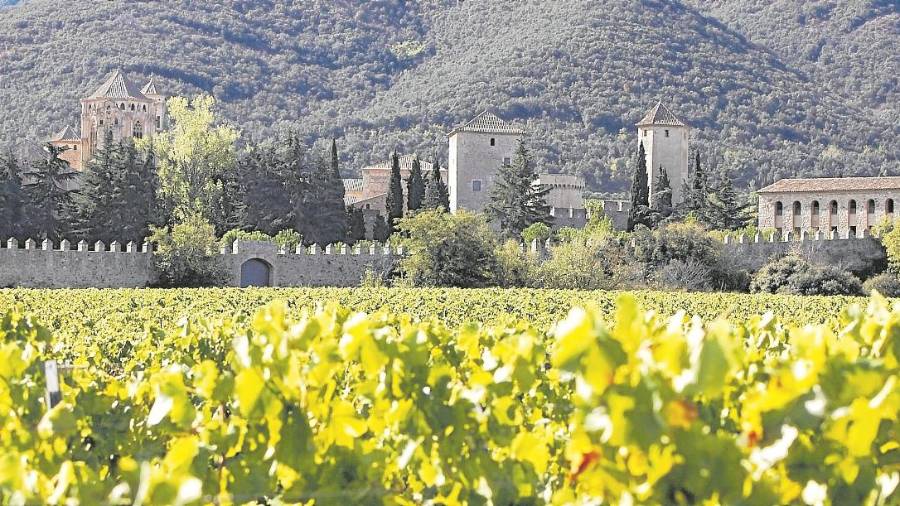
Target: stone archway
<point x="256" y="272"/>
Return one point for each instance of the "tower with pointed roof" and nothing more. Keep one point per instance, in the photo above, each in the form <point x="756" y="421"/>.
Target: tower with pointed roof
<point x="665" y="139"/>
<point x="477" y="150"/>
<point x="117" y="108"/>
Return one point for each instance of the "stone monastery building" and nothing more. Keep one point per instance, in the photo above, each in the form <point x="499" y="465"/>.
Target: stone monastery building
<point x="846" y="206"/>
<point x="119" y="108"/>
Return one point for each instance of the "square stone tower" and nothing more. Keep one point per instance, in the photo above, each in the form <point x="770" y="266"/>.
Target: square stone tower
<point x="477" y="150"/>
<point x="665" y="139"/>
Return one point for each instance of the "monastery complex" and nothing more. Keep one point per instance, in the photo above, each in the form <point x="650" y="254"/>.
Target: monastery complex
<point x="845" y="207"/>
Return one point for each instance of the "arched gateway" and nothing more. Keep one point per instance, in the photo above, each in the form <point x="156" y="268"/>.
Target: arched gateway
<point x="256" y="272"/>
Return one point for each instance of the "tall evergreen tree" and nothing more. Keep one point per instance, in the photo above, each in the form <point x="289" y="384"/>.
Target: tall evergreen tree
<point x="12" y="197"/>
<point x="516" y="202"/>
<point x="640" y="190"/>
<point x="725" y="209"/>
<point x="381" y="230"/>
<point x="139" y="207"/>
<point x="326" y="210"/>
<point x="356" y="224"/>
<point x="698" y="180"/>
<point x="415" y="187"/>
<point x="99" y="201"/>
<point x="662" y="198"/>
<point x="395" y="194"/>
<point x="50" y="197"/>
<point x="437" y="195"/>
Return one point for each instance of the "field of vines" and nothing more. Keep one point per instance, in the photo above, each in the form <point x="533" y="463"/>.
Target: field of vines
<point x="407" y="397"/>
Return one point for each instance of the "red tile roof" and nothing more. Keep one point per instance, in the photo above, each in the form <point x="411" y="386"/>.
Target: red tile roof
<point x="828" y="184"/>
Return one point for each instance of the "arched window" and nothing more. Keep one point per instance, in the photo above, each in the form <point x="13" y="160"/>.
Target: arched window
<point x="852" y="207"/>
<point x="779" y="209"/>
<point x="815" y="207"/>
<point x="144" y="107"/>
<point x="137" y="130"/>
<point x="797" y="208"/>
<point x="132" y="107"/>
<point x="870" y="206"/>
<point x="889" y="206"/>
<point x="834" y="207"/>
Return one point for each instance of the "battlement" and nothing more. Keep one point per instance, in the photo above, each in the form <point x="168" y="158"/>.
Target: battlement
<point x="98" y="265"/>
<point x="803" y="236"/>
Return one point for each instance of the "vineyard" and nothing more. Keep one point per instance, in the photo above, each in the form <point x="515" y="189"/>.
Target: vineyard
<point x="387" y="396"/>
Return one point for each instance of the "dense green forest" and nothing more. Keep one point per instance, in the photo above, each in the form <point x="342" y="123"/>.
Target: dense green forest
<point x="773" y="88"/>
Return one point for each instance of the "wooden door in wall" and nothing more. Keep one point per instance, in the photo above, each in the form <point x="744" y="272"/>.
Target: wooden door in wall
<point x="256" y="272"/>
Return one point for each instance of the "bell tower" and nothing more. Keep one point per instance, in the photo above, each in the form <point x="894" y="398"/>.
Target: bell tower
<point x="665" y="139"/>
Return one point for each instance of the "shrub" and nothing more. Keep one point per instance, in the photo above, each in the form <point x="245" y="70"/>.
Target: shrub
<point x="539" y="231"/>
<point x="775" y="276"/>
<point x="890" y="239"/>
<point x="886" y="283"/>
<point x="687" y="275"/>
<point x="588" y="264"/>
<point x="187" y="254"/>
<point x="795" y="275"/>
<point x="827" y="280"/>
<point x="515" y="268"/>
<point x="448" y="249"/>
<point x="287" y="238"/>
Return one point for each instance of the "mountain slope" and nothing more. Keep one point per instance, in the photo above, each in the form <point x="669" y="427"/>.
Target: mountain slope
<point x="397" y="75"/>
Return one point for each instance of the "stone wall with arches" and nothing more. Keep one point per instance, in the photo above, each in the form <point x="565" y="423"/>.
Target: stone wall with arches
<point x="850" y="214"/>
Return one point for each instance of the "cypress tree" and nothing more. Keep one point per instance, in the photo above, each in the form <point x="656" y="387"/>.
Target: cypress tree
<point x="516" y="202"/>
<point x="639" y="190"/>
<point x="50" y="198"/>
<point x="356" y="224"/>
<point x="332" y="212"/>
<point x="662" y="198"/>
<point x="699" y="179"/>
<point x="381" y="230"/>
<point x="415" y="187"/>
<point x="12" y="197"/>
<point x="437" y="195"/>
<point x="394" y="201"/>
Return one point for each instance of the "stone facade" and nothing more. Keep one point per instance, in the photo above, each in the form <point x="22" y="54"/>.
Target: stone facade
<point x="666" y="140"/>
<point x="477" y="150"/>
<point x="118" y="108"/>
<point x="847" y="206"/>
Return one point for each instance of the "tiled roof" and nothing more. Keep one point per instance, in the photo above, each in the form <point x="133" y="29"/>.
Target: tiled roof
<point x="353" y="185"/>
<point x="829" y="184"/>
<point x="487" y="122"/>
<point x="118" y="86"/>
<point x="149" y="88"/>
<point x="660" y="115"/>
<point x="67" y="134"/>
<point x="406" y="162"/>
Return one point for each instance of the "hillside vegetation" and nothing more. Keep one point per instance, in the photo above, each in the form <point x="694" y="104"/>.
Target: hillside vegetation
<point x="790" y="89"/>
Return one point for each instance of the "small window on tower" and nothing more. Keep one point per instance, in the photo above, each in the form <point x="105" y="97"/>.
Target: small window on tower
<point x="132" y="107"/>
<point x="158" y="122"/>
<point x="493" y="141"/>
<point x="506" y="160"/>
<point x="476" y="185"/>
<point x="74" y="147"/>
<point x="667" y="133"/>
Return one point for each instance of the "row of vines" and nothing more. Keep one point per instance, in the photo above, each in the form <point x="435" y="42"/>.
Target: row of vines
<point x="325" y="405"/>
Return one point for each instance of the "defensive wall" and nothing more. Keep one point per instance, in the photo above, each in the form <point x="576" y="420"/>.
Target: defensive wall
<point x="30" y="265"/>
<point x="97" y="265"/>
<point x="849" y="253"/>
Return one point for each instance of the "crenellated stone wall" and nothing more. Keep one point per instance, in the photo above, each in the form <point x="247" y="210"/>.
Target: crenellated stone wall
<point x="849" y="253"/>
<point x="86" y="266"/>
<point x="29" y="265"/>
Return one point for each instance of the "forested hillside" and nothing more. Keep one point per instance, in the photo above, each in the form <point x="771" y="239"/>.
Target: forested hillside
<point x="788" y="89"/>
